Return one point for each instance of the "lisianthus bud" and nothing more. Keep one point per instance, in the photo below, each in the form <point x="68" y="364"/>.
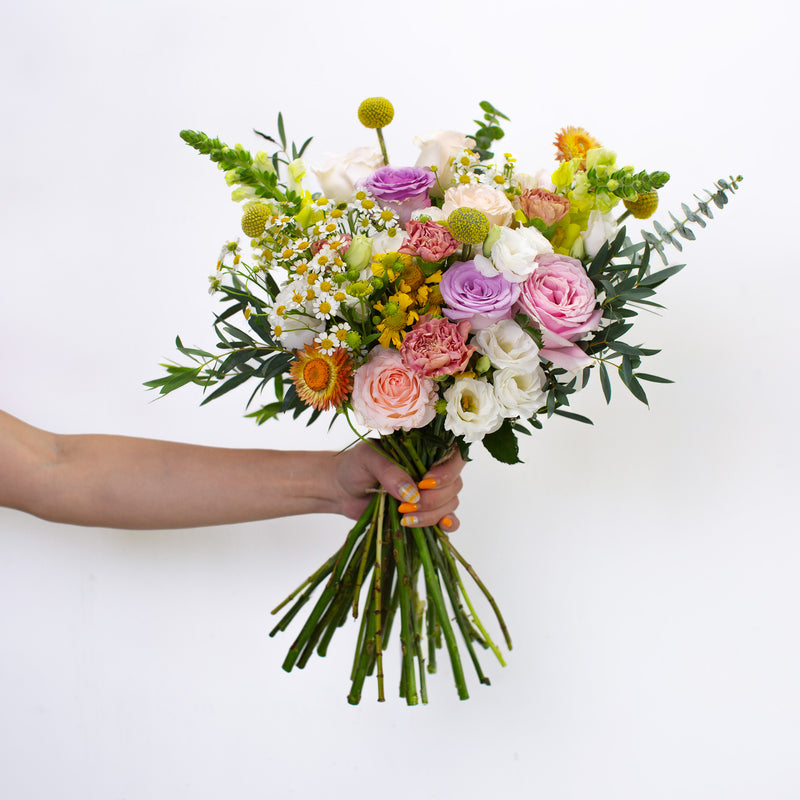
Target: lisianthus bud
<point x="359" y="253"/>
<point x="482" y="365"/>
<point x="491" y="239"/>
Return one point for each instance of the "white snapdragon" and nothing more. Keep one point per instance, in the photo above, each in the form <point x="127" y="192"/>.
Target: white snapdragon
<point x="506" y="344"/>
<point x="600" y="228"/>
<point x="472" y="409"/>
<point x="519" y="392"/>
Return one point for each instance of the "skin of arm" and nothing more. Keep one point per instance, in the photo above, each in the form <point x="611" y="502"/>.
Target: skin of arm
<point x="133" y="483"/>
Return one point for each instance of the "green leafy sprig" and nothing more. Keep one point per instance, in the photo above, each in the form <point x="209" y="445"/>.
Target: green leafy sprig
<point x="489" y="130"/>
<point x="663" y="236"/>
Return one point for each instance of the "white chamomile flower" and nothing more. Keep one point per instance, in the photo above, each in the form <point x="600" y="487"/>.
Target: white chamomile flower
<point x="339" y="334"/>
<point x="325" y="343"/>
<point x="215" y="282"/>
<point x="325" y="308"/>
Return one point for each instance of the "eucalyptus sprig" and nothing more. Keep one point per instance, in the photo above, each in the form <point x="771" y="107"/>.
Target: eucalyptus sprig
<point x="489" y="130"/>
<point x="663" y="236"/>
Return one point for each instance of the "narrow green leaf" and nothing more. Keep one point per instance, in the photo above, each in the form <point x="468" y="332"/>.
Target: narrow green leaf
<point x="605" y="382"/>
<point x="281" y="131"/>
<point x="571" y="415"/>
<point x="231" y="383"/>
<point x="656" y="278"/>
<point x="644" y="376"/>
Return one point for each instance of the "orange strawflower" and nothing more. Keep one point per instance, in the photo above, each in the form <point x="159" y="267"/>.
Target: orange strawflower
<point x="572" y="142"/>
<point x="322" y="381"/>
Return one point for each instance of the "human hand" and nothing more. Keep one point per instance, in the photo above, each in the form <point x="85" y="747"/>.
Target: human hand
<point x="360" y="469"/>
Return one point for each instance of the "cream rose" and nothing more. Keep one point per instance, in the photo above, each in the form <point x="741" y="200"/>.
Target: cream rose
<point x="339" y="174"/>
<point x="493" y="202"/>
<point x="437" y="150"/>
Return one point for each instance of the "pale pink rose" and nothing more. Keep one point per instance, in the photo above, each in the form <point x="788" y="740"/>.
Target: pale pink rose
<point x="339" y="174"/>
<point x="388" y="395"/>
<point x="543" y="205"/>
<point x="429" y="240"/>
<point x="560" y="298"/>
<point x="493" y="202"/>
<point x="436" y="347"/>
<point x="437" y="149"/>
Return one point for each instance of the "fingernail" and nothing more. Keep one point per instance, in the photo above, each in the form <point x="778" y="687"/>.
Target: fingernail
<point x="404" y="508"/>
<point x="445" y="522"/>
<point x="409" y="521"/>
<point x="428" y="483"/>
<point x="409" y="493"/>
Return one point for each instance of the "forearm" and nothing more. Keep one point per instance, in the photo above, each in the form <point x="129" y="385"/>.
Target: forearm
<point x="121" y="482"/>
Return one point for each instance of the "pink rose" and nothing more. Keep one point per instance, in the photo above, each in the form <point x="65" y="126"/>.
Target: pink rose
<point x="388" y="395"/>
<point x="560" y="297"/>
<point x="544" y="205"/>
<point x="437" y="347"/>
<point x="429" y="240"/>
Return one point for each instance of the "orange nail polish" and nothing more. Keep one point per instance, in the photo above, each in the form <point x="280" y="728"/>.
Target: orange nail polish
<point x="445" y="522"/>
<point x="428" y="483"/>
<point x="405" y="508"/>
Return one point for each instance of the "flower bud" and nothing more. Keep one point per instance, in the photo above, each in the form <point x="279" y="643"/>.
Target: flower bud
<point x="359" y="253"/>
<point x="489" y="241"/>
<point x="482" y="365"/>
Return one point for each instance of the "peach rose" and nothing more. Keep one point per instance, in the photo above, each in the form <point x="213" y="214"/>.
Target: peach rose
<point x="388" y="395"/>
<point x="493" y="202"/>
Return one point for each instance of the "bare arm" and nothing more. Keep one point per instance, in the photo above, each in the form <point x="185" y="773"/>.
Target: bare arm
<point x="126" y="482"/>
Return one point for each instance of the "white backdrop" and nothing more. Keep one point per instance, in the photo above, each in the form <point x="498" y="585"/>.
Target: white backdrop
<point x="647" y="566"/>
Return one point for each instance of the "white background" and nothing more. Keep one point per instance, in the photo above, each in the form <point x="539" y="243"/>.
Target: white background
<point x="647" y="566"/>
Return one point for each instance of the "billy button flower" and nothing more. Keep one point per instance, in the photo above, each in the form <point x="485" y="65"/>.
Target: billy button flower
<point x="469" y="226"/>
<point x="377" y="113"/>
<point x="643" y="206"/>
<point x="254" y="219"/>
<point x="322" y="380"/>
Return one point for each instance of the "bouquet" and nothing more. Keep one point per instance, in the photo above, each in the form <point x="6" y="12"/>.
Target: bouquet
<point x="454" y="302"/>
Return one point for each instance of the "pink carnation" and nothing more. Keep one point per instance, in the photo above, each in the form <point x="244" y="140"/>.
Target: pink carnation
<point x="544" y="205"/>
<point x="437" y="347"/>
<point x="388" y="395"/>
<point x="429" y="240"/>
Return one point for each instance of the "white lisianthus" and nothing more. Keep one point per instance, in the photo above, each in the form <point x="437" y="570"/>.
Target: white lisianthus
<point x="514" y="253"/>
<point x="339" y="174"/>
<point x="389" y="241"/>
<point x="293" y="322"/>
<point x="433" y="213"/>
<point x="519" y="392"/>
<point x="506" y="344"/>
<point x="472" y="409"/>
<point x="437" y="149"/>
<point x="600" y="228"/>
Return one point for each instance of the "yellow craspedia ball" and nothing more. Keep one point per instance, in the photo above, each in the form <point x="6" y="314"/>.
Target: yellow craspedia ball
<point x="375" y="112"/>
<point x="644" y="205"/>
<point x="468" y="225"/>
<point x="254" y="220"/>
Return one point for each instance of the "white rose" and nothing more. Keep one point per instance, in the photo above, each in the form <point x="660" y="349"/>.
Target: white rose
<point x="339" y="174"/>
<point x="506" y="344"/>
<point x="514" y="254"/>
<point x="433" y="213"/>
<point x="519" y="392"/>
<point x="472" y="409"/>
<point x="601" y="228"/>
<point x="493" y="202"/>
<point x="437" y="149"/>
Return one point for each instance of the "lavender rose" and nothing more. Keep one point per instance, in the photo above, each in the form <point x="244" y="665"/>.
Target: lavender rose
<point x="401" y="189"/>
<point x="480" y="299"/>
<point x="560" y="297"/>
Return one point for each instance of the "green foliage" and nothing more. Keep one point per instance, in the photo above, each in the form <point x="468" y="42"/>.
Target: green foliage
<point x="664" y="236"/>
<point x="626" y="185"/>
<point x="489" y="130"/>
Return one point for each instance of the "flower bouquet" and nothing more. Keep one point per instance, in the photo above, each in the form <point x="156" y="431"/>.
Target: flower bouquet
<point x="438" y="305"/>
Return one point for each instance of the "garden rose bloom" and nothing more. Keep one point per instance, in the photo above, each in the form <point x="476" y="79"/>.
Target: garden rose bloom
<point x="388" y="395"/>
<point x="401" y="189"/>
<point x="493" y="202"/>
<point x="519" y="392"/>
<point x="560" y="297"/>
<point x="437" y="347"/>
<point x="429" y="240"/>
<point x="506" y="344"/>
<point x="514" y="254"/>
<point x="437" y="149"/>
<point x="472" y="409"/>
<point x="475" y="297"/>
<point x="543" y="205"/>
<point x="339" y="174"/>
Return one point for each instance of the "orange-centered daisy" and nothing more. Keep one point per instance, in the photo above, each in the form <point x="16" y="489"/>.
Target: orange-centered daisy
<point x="572" y="142"/>
<point x="322" y="381"/>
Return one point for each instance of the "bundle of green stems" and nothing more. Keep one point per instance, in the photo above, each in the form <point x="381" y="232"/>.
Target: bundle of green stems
<point x="384" y="571"/>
